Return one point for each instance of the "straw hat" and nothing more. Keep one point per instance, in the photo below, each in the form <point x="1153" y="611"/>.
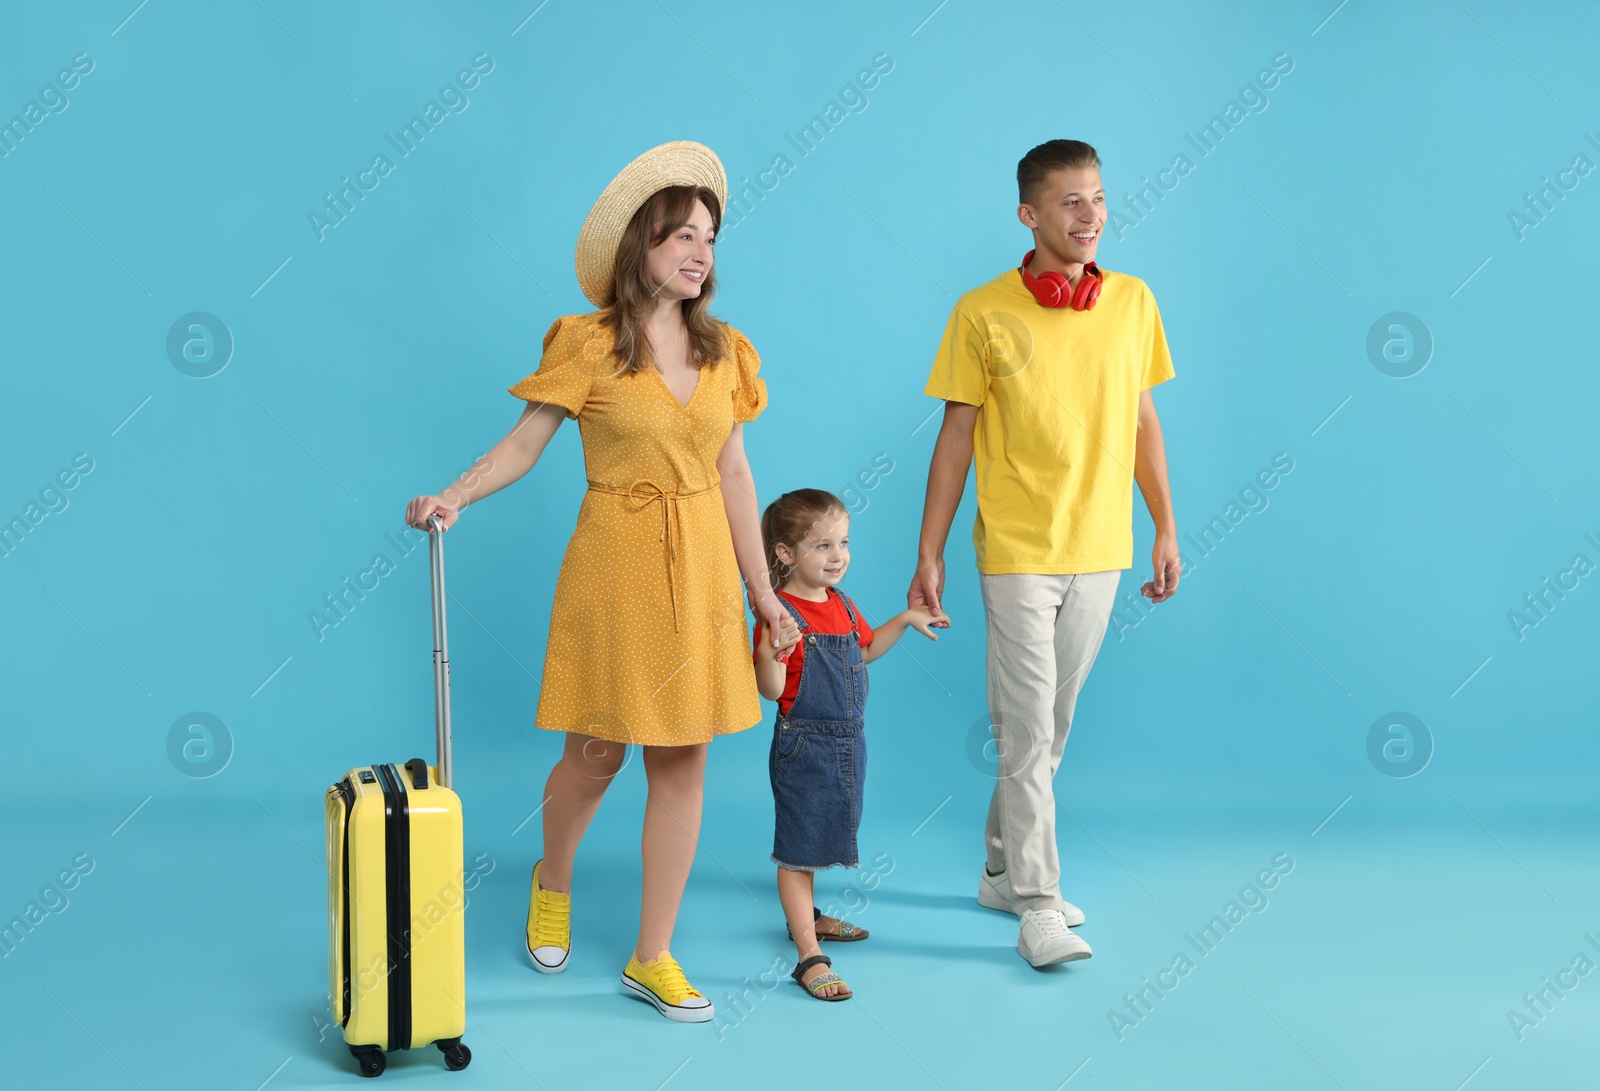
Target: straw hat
<point x="675" y="163"/>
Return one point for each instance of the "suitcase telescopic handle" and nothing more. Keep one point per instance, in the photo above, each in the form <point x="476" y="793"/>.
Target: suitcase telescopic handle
<point x="441" y="650"/>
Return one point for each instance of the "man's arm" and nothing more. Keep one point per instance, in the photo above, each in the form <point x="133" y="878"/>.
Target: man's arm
<point x="1150" y="471"/>
<point x="947" y="479"/>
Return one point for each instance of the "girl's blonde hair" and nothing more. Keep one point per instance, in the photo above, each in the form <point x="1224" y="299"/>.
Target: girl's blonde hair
<point x="786" y="521"/>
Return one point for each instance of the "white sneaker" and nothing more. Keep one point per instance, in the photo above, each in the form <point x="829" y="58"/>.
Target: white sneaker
<point x="994" y="892"/>
<point x="1045" y="939"/>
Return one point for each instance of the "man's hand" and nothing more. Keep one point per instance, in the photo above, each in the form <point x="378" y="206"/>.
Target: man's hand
<point x="927" y="584"/>
<point x="1167" y="564"/>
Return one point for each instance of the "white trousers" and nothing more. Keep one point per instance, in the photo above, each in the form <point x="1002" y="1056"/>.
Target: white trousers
<point x="1044" y="632"/>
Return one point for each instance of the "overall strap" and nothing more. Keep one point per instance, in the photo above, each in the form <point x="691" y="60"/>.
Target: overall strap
<point x="799" y="618"/>
<point x="845" y="599"/>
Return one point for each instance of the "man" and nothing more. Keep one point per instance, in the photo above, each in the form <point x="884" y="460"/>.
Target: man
<point x="1046" y="374"/>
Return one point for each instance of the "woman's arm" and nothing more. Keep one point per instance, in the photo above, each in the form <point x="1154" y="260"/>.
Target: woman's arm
<point x="744" y="523"/>
<point x="506" y="462"/>
<point x="771" y="673"/>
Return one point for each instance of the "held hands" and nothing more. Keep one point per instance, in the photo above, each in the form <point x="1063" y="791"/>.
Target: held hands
<point x="788" y="637"/>
<point x="418" y="511"/>
<point x="765" y="605"/>
<point x="924" y="621"/>
<point x="927" y="585"/>
<point x="1167" y="564"/>
<point x="888" y="634"/>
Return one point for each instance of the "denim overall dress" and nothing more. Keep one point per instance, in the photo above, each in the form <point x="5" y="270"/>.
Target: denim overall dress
<point x="818" y="759"/>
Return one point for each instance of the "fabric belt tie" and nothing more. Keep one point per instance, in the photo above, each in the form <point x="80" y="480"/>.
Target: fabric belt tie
<point x="641" y="494"/>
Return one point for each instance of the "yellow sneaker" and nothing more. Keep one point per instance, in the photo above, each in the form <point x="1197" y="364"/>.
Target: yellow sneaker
<point x="549" y="927"/>
<point x="661" y="981"/>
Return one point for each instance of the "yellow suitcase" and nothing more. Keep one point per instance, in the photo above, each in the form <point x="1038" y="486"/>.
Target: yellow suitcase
<point x="396" y="893"/>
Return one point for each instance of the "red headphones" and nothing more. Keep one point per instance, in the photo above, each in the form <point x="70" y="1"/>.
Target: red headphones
<point x="1052" y="289"/>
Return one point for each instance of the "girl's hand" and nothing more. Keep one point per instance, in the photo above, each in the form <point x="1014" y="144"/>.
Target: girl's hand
<point x="418" y="511"/>
<point x="767" y="608"/>
<point x="788" y="637"/>
<point x="923" y="620"/>
<point x="788" y="632"/>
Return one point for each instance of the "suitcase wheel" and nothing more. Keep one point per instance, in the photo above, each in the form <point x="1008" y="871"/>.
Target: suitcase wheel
<point x="371" y="1060"/>
<point x="456" y="1055"/>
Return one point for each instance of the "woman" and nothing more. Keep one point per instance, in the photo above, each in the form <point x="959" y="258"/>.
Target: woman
<point x="648" y="637"/>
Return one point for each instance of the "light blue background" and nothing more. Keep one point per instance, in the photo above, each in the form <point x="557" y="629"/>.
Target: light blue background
<point x="370" y="366"/>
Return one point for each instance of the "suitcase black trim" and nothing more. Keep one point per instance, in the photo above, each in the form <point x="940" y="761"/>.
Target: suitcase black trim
<point x="397" y="874"/>
<point x="347" y="792"/>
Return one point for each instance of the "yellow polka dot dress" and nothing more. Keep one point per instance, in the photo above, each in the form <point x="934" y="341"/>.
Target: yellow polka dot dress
<point x="649" y="641"/>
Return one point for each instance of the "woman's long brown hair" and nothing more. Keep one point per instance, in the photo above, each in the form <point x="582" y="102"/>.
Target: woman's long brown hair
<point x="634" y="295"/>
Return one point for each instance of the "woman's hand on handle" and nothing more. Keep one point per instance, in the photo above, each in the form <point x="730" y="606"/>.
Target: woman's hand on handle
<point x="423" y="507"/>
<point x="505" y="462"/>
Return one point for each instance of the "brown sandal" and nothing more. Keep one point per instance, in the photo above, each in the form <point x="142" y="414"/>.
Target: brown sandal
<point x="848" y="933"/>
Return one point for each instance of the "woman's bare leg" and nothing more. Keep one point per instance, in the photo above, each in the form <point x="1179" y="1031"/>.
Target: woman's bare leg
<point x="671" y="833"/>
<point x="572" y="795"/>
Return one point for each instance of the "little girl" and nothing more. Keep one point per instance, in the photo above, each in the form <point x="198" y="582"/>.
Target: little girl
<point x="818" y="677"/>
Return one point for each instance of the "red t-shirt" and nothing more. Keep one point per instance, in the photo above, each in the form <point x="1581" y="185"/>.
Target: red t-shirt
<point x="821" y="617"/>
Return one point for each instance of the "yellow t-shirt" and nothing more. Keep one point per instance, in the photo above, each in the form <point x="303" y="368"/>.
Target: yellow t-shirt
<point x="1057" y="392"/>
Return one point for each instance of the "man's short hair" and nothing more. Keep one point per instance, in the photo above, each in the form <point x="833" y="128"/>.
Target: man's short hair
<point x="1050" y="156"/>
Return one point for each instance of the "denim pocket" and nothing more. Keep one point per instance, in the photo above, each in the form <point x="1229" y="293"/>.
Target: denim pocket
<point x="858" y="687"/>
<point x="786" y="744"/>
